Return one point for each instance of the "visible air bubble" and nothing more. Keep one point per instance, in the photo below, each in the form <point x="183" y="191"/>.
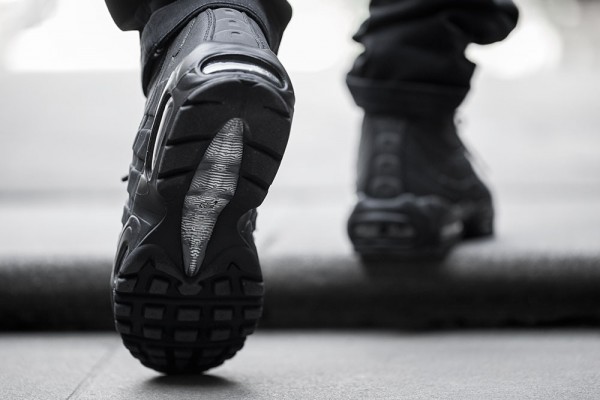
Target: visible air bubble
<point x="212" y="188"/>
<point x="217" y="66"/>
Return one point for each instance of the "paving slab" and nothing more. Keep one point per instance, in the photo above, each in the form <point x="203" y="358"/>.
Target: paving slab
<point x="561" y="364"/>
<point x="49" y="366"/>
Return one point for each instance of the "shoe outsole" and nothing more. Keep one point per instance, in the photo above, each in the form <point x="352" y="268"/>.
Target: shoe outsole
<point x="180" y="322"/>
<point x="412" y="228"/>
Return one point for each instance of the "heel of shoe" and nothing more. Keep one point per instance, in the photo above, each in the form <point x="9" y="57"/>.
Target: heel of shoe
<point x="404" y="228"/>
<point x="480" y="223"/>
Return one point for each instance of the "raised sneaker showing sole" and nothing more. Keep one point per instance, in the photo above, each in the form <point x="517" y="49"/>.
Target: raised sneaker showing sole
<point x="414" y="228"/>
<point x="187" y="284"/>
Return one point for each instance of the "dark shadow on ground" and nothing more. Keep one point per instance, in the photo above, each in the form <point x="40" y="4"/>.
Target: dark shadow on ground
<point x="190" y="382"/>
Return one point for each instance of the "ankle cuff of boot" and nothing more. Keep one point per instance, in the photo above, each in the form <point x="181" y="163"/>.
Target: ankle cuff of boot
<point x="166" y="22"/>
<point x="407" y="99"/>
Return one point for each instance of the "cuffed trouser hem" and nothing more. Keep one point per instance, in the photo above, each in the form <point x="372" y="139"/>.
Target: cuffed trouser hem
<point x="405" y="99"/>
<point x="414" y="59"/>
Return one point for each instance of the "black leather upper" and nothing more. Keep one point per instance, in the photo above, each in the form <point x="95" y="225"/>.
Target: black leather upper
<point x="417" y="156"/>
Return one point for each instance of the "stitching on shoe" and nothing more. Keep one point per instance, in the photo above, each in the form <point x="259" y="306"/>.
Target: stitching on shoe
<point x="165" y="65"/>
<point x="184" y="39"/>
<point x="210" y="31"/>
<point x="206" y="21"/>
<point x="257" y="37"/>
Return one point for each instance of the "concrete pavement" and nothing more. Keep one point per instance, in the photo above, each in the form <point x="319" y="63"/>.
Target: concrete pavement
<point x="317" y="365"/>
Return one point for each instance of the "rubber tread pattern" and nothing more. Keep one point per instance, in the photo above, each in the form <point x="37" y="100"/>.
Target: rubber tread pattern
<point x="172" y="332"/>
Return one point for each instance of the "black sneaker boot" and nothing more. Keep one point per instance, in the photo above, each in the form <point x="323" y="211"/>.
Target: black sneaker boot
<point x="417" y="192"/>
<point x="187" y="284"/>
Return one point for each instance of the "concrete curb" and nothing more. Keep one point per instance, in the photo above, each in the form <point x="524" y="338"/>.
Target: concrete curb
<point x="337" y="292"/>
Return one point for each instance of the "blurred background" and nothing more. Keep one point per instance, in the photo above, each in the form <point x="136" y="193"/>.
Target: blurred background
<point x="70" y="104"/>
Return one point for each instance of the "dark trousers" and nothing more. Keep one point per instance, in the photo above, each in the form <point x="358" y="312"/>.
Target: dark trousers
<point x="413" y="62"/>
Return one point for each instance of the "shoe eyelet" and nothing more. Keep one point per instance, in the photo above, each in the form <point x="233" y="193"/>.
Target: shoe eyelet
<point x="158" y="52"/>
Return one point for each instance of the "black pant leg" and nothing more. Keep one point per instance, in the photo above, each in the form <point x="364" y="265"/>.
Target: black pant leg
<point x="132" y="15"/>
<point x="414" y="61"/>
